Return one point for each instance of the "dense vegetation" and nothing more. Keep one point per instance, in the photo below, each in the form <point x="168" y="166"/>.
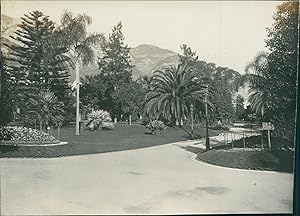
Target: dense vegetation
<point x="272" y="75"/>
<point x="35" y="73"/>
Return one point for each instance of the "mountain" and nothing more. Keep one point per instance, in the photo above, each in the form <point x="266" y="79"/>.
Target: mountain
<point x="145" y="58"/>
<point x="8" y="26"/>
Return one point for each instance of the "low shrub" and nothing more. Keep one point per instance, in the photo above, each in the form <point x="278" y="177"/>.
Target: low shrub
<point x="24" y="134"/>
<point x="98" y="119"/>
<point x="155" y="126"/>
<point x="145" y="121"/>
<point x="108" y="125"/>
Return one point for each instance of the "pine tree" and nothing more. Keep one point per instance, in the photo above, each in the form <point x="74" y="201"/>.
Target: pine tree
<point x="115" y="62"/>
<point x="36" y="57"/>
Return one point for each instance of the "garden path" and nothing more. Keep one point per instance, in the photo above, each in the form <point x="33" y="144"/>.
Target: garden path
<point x="156" y="180"/>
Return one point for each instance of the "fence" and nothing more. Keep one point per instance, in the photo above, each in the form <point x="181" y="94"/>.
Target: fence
<point x="237" y="136"/>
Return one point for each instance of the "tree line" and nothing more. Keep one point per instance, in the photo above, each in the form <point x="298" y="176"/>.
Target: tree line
<point x="35" y="77"/>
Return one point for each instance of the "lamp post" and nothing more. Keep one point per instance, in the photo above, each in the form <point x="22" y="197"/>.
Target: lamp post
<point x="77" y="132"/>
<point x="207" y="143"/>
<point x="192" y="120"/>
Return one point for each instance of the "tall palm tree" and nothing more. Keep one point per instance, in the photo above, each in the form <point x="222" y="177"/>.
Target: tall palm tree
<point x="80" y="44"/>
<point x="173" y="90"/>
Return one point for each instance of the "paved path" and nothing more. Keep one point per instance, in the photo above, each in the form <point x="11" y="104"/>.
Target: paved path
<point x="156" y="180"/>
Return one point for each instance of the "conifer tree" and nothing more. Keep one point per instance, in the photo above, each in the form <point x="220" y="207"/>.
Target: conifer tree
<point x="37" y="57"/>
<point x="115" y="62"/>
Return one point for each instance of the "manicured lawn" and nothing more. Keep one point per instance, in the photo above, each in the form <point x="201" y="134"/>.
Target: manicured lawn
<point x="276" y="160"/>
<point x="123" y="137"/>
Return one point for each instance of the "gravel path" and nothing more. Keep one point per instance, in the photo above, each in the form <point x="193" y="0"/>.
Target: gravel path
<point x="156" y="180"/>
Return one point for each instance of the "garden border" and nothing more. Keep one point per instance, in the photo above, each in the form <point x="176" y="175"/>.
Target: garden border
<point x="33" y="143"/>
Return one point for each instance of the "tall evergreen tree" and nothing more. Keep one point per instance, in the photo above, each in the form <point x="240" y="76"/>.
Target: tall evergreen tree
<point x="37" y="58"/>
<point x="115" y="62"/>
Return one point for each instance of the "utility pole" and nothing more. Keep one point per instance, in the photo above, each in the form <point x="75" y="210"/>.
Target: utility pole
<point x="207" y="143"/>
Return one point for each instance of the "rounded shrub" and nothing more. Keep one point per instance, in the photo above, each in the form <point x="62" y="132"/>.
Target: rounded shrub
<point x="155" y="126"/>
<point x="99" y="119"/>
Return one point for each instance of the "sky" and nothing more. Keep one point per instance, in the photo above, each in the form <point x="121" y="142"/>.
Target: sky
<point x="228" y="33"/>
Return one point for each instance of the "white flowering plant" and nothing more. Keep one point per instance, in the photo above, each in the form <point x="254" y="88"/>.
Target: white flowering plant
<point x="24" y="134"/>
<point x="99" y="119"/>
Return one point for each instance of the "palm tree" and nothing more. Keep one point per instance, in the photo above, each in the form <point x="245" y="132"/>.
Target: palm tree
<point x="173" y="91"/>
<point x="80" y="44"/>
<point x="258" y="101"/>
<point x="47" y="107"/>
<point x="257" y="80"/>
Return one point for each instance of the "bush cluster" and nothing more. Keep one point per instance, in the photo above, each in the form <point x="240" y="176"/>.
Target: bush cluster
<point x="155" y="126"/>
<point x="17" y="133"/>
<point x="99" y="119"/>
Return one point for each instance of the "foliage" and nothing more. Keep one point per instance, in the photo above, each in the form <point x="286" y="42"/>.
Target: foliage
<point x="145" y="81"/>
<point x="239" y="110"/>
<point x="28" y="134"/>
<point x="273" y="75"/>
<point x="36" y="57"/>
<point x="6" y="94"/>
<point x="97" y="118"/>
<point x="282" y="42"/>
<point x="221" y="98"/>
<point x="129" y="98"/>
<point x="155" y="126"/>
<point x="93" y="92"/>
<point x="108" y="125"/>
<point x="145" y="121"/>
<point x="188" y="55"/>
<point x="115" y="62"/>
<point x="222" y="82"/>
<point x="174" y="89"/>
<point x="80" y="44"/>
<point x="46" y="107"/>
<point x="5" y="134"/>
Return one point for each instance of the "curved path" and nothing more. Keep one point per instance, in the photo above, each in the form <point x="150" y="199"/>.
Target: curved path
<point x="156" y="180"/>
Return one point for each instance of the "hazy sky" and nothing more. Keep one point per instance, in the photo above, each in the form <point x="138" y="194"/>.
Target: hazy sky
<point x="226" y="33"/>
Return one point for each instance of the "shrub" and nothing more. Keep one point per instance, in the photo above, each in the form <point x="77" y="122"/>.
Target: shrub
<point x="97" y="118"/>
<point x="5" y="134"/>
<point x="145" y="121"/>
<point x="21" y="134"/>
<point x="155" y="126"/>
<point x="108" y="125"/>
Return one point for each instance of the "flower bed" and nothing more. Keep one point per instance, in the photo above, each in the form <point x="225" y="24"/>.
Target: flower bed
<point x="14" y="135"/>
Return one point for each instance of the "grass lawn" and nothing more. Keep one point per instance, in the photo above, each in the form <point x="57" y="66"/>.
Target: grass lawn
<point x="123" y="137"/>
<point x="276" y="160"/>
